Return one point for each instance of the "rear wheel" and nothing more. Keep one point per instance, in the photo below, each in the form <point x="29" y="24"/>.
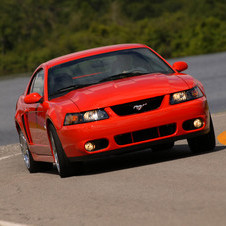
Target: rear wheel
<point x="62" y="164"/>
<point x="30" y="163"/>
<point x="204" y="142"/>
<point x="161" y="147"/>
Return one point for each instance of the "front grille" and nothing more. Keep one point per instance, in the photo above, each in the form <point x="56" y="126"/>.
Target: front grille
<point x="145" y="134"/>
<point x="138" y="106"/>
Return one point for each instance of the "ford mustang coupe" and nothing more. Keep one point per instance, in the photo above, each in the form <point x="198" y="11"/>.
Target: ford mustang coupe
<point x="109" y="100"/>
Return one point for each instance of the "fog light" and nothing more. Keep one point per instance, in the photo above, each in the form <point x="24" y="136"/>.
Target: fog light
<point x="198" y="123"/>
<point x="89" y="146"/>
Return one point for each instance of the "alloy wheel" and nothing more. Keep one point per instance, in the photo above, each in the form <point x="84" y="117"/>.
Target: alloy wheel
<point x="56" y="159"/>
<point x="24" y="150"/>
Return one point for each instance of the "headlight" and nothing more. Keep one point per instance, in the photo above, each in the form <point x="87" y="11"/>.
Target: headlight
<point x="88" y="116"/>
<point x="186" y="95"/>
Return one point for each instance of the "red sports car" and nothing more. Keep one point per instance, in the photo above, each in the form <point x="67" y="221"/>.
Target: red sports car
<point x="109" y="100"/>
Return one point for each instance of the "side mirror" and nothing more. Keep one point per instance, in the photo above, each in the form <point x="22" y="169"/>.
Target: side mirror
<point x="32" y="98"/>
<point x="180" y="66"/>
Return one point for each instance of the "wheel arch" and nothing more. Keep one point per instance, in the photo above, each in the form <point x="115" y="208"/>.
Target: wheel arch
<point x="18" y="128"/>
<point x="48" y="123"/>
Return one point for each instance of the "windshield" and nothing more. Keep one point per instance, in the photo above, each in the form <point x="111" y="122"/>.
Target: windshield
<point x="102" y="68"/>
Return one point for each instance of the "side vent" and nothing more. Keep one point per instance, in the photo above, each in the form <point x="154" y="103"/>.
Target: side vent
<point x="25" y="128"/>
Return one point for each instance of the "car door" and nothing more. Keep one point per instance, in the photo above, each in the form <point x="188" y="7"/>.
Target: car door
<point x="36" y="116"/>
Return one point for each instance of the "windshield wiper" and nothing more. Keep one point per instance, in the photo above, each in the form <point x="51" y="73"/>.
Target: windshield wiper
<point x="113" y="77"/>
<point x="69" y="88"/>
<point x="122" y="75"/>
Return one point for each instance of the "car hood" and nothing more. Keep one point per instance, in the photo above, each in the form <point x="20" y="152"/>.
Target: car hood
<point x="126" y="90"/>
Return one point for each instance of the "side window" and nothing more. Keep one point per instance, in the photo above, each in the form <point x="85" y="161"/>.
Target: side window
<point x="37" y="85"/>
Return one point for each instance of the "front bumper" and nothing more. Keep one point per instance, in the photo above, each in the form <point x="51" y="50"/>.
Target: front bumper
<point x="74" y="137"/>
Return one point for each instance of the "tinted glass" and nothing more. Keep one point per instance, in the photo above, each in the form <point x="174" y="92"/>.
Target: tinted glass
<point x="37" y="85"/>
<point x="100" y="68"/>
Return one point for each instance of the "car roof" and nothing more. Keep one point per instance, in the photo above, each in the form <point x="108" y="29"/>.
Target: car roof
<point x="90" y="52"/>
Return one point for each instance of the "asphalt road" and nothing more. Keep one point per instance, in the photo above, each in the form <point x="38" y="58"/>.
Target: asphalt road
<point x="143" y="188"/>
<point x="209" y="69"/>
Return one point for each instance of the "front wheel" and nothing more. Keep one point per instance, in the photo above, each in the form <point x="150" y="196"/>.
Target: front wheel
<point x="204" y="142"/>
<point x="62" y="164"/>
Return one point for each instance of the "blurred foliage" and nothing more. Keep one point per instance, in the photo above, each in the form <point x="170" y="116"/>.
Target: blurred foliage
<point x="32" y="32"/>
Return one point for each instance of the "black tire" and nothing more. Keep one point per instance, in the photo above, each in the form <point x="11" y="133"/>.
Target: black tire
<point x="62" y="163"/>
<point x="206" y="142"/>
<point x="30" y="163"/>
<point x="161" y="147"/>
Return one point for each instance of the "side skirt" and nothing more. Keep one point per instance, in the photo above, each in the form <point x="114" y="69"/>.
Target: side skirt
<point x="42" y="158"/>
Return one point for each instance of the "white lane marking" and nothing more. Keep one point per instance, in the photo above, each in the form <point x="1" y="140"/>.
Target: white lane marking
<point x="6" y="223"/>
<point x="7" y="157"/>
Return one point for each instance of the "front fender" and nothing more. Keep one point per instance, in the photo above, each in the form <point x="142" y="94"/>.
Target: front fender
<point x="56" y="113"/>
